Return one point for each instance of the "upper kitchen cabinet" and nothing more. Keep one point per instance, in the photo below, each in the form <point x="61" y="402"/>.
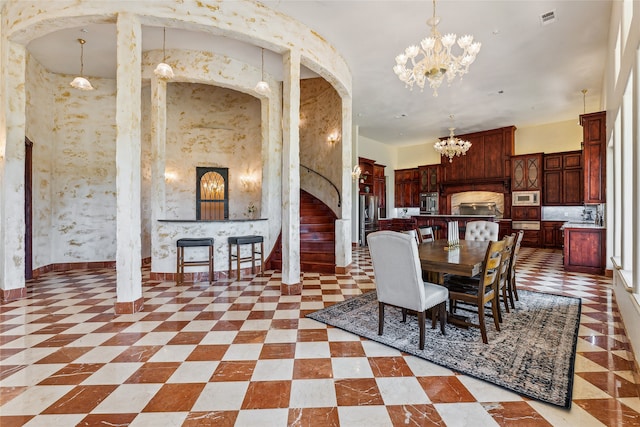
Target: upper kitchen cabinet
<point x="563" y="179"/>
<point x="380" y="188"/>
<point x="407" y="188"/>
<point x="526" y="172"/>
<point x="429" y="177"/>
<point x="487" y="160"/>
<point x="366" y="175"/>
<point x="595" y="156"/>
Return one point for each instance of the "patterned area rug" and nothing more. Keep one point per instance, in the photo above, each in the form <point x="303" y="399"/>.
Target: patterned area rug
<point x="533" y="354"/>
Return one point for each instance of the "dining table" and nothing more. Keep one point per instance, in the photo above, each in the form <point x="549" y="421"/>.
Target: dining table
<point x="466" y="259"/>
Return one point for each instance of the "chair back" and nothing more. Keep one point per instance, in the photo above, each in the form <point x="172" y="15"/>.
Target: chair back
<point x="505" y="262"/>
<point x="514" y="256"/>
<point x="413" y="233"/>
<point x="396" y="266"/>
<point x="482" y="230"/>
<point x="492" y="264"/>
<point x="426" y="233"/>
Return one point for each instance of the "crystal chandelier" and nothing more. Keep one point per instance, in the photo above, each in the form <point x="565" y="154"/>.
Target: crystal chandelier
<point x="452" y="146"/>
<point x="433" y="60"/>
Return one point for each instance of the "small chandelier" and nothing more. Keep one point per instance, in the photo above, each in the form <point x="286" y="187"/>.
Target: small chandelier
<point x="452" y="146"/>
<point x="164" y="70"/>
<point x="436" y="61"/>
<point x="262" y="87"/>
<point x="81" y="82"/>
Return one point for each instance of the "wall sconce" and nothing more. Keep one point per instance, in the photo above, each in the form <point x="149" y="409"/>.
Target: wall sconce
<point x="248" y="182"/>
<point x="333" y="137"/>
<point x="356" y="172"/>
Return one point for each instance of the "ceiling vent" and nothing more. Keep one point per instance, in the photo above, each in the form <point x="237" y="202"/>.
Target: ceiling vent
<point x="548" y="17"/>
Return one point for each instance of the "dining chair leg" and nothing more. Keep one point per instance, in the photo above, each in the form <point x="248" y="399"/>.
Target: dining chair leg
<point x="443" y="316"/>
<point x="514" y="288"/>
<point x="433" y="317"/>
<point x="404" y="315"/>
<point x="421" y="324"/>
<point x="483" y="328"/>
<point x="504" y="297"/>
<point x="495" y="307"/>
<point x="380" y="317"/>
<point x="510" y="292"/>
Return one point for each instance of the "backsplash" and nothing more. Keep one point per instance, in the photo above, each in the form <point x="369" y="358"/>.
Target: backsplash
<point x="570" y="213"/>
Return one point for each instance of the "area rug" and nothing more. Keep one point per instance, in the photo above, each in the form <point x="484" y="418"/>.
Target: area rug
<point x="532" y="355"/>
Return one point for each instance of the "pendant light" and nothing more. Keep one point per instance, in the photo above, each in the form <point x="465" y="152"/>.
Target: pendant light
<point x="262" y="87"/>
<point x="164" y="70"/>
<point x="81" y="82"/>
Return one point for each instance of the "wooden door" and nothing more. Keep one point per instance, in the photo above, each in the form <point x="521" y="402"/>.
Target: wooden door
<point x="28" y="210"/>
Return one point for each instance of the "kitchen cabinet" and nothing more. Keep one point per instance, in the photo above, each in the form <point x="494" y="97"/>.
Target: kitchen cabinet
<point x="563" y="179"/>
<point x="552" y="236"/>
<point x="531" y="238"/>
<point x="428" y="175"/>
<point x="365" y="184"/>
<point x="525" y="213"/>
<point x="504" y="228"/>
<point x="407" y="188"/>
<point x="526" y="172"/>
<point x="380" y="189"/>
<point x="584" y="249"/>
<point x="488" y="159"/>
<point x="595" y="156"/>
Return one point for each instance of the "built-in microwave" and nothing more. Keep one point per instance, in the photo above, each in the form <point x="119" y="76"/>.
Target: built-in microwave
<point x="525" y="198"/>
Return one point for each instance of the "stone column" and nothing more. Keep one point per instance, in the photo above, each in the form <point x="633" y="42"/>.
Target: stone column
<point x="158" y="160"/>
<point x="343" y="226"/>
<point x="291" y="284"/>
<point x="128" y="146"/>
<point x="12" y="157"/>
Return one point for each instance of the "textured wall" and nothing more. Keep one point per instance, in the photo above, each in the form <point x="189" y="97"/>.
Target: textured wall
<point x="40" y="114"/>
<point x="320" y="116"/>
<point x="210" y="126"/>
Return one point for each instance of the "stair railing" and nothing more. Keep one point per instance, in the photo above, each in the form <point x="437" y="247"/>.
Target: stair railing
<point x="326" y="179"/>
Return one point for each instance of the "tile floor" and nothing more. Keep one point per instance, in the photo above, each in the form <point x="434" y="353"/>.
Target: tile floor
<point x="238" y="353"/>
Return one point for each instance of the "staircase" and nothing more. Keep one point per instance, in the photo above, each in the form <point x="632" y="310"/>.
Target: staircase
<point x="317" y="238"/>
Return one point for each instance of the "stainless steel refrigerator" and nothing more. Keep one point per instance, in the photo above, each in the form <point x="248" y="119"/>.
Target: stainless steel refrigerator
<point x="368" y="217"/>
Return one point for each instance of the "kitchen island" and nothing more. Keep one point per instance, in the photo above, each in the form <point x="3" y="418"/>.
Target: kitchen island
<point x="584" y="247"/>
<point x="437" y="222"/>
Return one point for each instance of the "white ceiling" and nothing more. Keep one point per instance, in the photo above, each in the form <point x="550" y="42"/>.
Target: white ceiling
<point x="525" y="74"/>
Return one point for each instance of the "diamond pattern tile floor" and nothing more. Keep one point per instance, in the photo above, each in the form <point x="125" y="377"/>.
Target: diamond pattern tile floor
<point x="239" y="353"/>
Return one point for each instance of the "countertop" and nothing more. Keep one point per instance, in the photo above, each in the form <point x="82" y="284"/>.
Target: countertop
<point x="454" y="216"/>
<point x="581" y="224"/>
<point x="213" y="220"/>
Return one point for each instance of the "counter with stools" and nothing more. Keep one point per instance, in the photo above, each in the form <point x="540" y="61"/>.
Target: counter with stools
<point x="192" y="243"/>
<point x="238" y="242"/>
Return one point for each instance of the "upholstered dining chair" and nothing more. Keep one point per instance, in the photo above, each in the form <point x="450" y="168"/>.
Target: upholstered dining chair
<point x="482" y="230"/>
<point x="398" y="278"/>
<point x="481" y="292"/>
<point x="426" y="233"/>
<point x="512" y="268"/>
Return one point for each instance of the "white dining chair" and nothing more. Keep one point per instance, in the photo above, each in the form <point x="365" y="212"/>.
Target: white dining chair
<point x="482" y="230"/>
<point x="427" y="234"/>
<point x="398" y="278"/>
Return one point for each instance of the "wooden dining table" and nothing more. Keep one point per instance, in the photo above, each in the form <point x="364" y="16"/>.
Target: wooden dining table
<point x="465" y="260"/>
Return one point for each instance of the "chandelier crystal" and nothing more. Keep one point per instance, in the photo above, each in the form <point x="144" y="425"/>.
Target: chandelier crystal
<point x="452" y="146"/>
<point x="433" y="60"/>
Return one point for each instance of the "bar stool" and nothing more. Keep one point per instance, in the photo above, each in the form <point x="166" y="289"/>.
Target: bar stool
<point x="192" y="243"/>
<point x="238" y="241"/>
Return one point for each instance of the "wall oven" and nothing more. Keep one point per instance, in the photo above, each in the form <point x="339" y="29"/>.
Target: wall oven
<point x="429" y="203"/>
<point x="525" y="198"/>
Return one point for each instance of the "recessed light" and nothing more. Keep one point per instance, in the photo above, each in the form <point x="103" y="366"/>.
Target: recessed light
<point x="401" y="116"/>
<point x="500" y="92"/>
